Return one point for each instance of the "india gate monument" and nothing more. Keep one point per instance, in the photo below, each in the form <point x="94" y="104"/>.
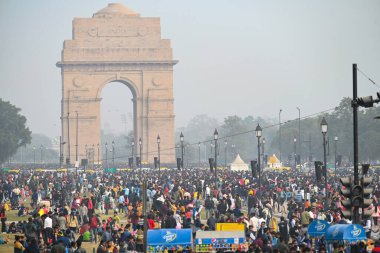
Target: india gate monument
<point x="117" y="44"/>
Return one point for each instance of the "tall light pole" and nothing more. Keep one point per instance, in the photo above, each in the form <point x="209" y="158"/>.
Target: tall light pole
<point x="216" y="154"/>
<point x="181" y="137"/>
<point x="86" y="151"/>
<point x="140" y="143"/>
<point x="279" y="130"/>
<point x="133" y="154"/>
<point x="68" y="139"/>
<point x="335" y="143"/>
<point x="159" y="162"/>
<point x="258" y="132"/>
<point x="263" y="151"/>
<point x="199" y="154"/>
<point x="113" y="154"/>
<point x="41" y="149"/>
<point x="225" y="153"/>
<point x="98" y="153"/>
<point x="106" y="155"/>
<point x="93" y="155"/>
<point x="324" y="131"/>
<point x="299" y="133"/>
<point x="295" y="152"/>
<point x="76" y="137"/>
<point x="34" y="154"/>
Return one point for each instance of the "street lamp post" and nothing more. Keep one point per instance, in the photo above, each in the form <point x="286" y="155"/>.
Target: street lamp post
<point x="216" y="154"/>
<point x="324" y="131"/>
<point x="279" y="130"/>
<point x="299" y="133"/>
<point x="133" y="154"/>
<point x="225" y="153"/>
<point x="181" y="137"/>
<point x="234" y="151"/>
<point x="140" y="143"/>
<point x="258" y="135"/>
<point x="335" y="143"/>
<point x="106" y="155"/>
<point x="76" y="137"/>
<point x="34" y="154"/>
<point x="86" y="151"/>
<point x="41" y="149"/>
<point x="113" y="154"/>
<point x="98" y="153"/>
<point x="263" y="151"/>
<point x="159" y="162"/>
<point x="199" y="154"/>
<point x="93" y="155"/>
<point x="295" y="152"/>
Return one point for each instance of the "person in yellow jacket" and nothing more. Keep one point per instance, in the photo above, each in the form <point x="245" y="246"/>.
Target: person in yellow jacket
<point x="73" y="222"/>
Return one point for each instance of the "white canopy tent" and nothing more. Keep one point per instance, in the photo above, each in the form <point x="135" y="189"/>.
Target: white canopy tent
<point x="239" y="164"/>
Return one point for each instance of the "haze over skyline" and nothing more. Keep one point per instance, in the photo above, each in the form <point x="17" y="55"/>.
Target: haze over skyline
<point x="235" y="58"/>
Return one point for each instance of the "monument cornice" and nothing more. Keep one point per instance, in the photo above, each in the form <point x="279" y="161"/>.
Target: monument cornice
<point x="115" y="65"/>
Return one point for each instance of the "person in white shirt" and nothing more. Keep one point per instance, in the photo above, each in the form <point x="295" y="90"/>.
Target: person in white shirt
<point x="48" y="228"/>
<point x="254" y="222"/>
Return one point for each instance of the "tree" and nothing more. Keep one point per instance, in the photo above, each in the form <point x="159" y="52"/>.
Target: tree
<point x="13" y="131"/>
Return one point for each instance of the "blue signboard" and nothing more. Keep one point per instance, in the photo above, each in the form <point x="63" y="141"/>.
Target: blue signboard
<point x="318" y="228"/>
<point x="169" y="238"/>
<point x="346" y="232"/>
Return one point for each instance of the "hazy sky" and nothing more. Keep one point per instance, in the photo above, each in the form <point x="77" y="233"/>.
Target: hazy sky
<point x="240" y="57"/>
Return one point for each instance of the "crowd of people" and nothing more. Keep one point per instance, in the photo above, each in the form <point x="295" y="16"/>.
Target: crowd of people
<point x="59" y="210"/>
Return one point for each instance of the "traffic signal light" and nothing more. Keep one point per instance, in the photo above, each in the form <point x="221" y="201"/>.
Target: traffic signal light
<point x="346" y="192"/>
<point x="365" y="101"/>
<point x="318" y="170"/>
<point x="298" y="159"/>
<point x="254" y="168"/>
<point x="179" y="163"/>
<point x="130" y="162"/>
<point x="367" y="200"/>
<point x="365" y="168"/>
<point x="211" y="162"/>
<point x="138" y="162"/>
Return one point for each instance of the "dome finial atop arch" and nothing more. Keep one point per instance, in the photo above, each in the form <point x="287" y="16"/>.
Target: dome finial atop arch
<point x="116" y="9"/>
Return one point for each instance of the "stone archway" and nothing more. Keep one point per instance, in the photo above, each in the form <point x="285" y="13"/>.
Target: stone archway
<point x="116" y="44"/>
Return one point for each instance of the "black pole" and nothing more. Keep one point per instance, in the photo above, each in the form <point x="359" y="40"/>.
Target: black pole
<point x="199" y="154"/>
<point x="215" y="160"/>
<point x="68" y="137"/>
<point x="299" y="133"/>
<point x="335" y="142"/>
<point x="325" y="165"/>
<point x="60" y="151"/>
<point x="355" y="127"/>
<point x="140" y="143"/>
<point x="144" y="188"/>
<point x="133" y="154"/>
<point x="259" y="164"/>
<point x="106" y="155"/>
<point x="34" y="155"/>
<point x="76" y="138"/>
<point x="295" y="153"/>
<point x="225" y="154"/>
<point x="98" y="153"/>
<point x="113" y="154"/>
<point x="41" y="152"/>
<point x="279" y="123"/>
<point x="181" y="154"/>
